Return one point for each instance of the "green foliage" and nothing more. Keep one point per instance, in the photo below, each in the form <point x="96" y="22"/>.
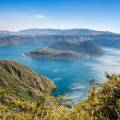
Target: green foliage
<point x="103" y="103"/>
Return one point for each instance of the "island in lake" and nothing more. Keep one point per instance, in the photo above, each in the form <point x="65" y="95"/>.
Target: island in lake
<point x="68" y="50"/>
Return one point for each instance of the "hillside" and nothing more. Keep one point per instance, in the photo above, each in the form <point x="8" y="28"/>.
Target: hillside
<point x="86" y="47"/>
<point x="38" y="39"/>
<point x="25" y="82"/>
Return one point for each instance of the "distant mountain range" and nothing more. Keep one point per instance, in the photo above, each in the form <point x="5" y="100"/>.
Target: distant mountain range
<point x="50" y="36"/>
<point x="55" y="32"/>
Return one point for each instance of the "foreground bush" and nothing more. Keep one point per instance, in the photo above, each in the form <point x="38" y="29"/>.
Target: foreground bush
<point x="102" y="103"/>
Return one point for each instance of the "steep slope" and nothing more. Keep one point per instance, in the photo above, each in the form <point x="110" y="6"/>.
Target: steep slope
<point x="25" y="82"/>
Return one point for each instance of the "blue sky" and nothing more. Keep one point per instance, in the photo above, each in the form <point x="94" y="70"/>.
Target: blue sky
<point x="64" y="14"/>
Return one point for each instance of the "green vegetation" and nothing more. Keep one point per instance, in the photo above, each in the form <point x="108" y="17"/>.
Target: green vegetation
<point x="26" y="83"/>
<point x="102" y="103"/>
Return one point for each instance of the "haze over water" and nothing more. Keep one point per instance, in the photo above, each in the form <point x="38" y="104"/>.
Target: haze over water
<point x="71" y="77"/>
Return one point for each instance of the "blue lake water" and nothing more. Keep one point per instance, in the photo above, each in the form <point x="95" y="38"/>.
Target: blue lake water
<point x="71" y="77"/>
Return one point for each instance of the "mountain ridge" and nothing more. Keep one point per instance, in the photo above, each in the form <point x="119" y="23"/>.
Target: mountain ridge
<point x="37" y="31"/>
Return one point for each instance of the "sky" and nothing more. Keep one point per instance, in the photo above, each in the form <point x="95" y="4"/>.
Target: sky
<point x="102" y="15"/>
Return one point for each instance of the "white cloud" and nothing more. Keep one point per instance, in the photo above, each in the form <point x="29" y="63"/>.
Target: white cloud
<point x="39" y="16"/>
